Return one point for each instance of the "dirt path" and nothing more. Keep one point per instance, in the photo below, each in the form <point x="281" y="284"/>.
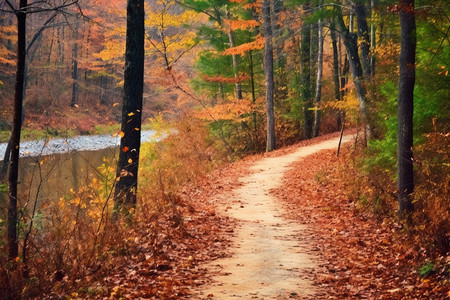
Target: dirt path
<point x="270" y="258"/>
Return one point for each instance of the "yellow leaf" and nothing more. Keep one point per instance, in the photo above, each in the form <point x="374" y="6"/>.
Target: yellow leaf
<point x="115" y="104"/>
<point x="130" y="160"/>
<point x="131" y="114"/>
<point x="122" y="134"/>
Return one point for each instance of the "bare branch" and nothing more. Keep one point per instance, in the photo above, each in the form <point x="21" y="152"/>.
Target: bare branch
<point x="10" y="5"/>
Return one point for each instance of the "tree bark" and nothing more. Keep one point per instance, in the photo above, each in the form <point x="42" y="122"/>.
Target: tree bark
<point x="268" y="70"/>
<point x="74" y="100"/>
<point x="406" y="107"/>
<point x="305" y="80"/>
<point x="318" y="94"/>
<point x="13" y="245"/>
<point x="363" y="34"/>
<point x="351" y="45"/>
<point x="235" y="62"/>
<point x="127" y="167"/>
<point x="277" y="9"/>
<point x="337" y="93"/>
<point x="252" y="84"/>
<point x="373" y="38"/>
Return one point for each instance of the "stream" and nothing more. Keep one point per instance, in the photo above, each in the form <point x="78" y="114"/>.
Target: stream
<point x="49" y="169"/>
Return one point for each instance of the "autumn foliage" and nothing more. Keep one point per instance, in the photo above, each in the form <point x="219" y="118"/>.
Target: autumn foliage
<point x="204" y="95"/>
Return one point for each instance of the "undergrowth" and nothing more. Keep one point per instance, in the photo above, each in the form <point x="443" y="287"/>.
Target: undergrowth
<point x="68" y="244"/>
<point x="373" y="181"/>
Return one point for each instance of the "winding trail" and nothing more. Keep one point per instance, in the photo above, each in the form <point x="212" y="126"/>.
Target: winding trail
<point x="271" y="257"/>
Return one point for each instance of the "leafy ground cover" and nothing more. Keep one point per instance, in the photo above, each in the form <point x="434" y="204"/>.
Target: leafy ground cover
<point x="165" y="257"/>
<point x="362" y="255"/>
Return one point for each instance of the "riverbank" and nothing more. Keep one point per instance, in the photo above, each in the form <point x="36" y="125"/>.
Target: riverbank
<point x="51" y="146"/>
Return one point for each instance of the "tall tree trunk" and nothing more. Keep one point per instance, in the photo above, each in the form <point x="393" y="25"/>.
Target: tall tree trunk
<point x="373" y="38"/>
<point x="344" y="75"/>
<point x="103" y="82"/>
<point x="252" y="82"/>
<point x="50" y="50"/>
<point x="74" y="100"/>
<point x="61" y="50"/>
<point x="235" y="62"/>
<point x="277" y="8"/>
<point x="36" y="37"/>
<point x="405" y="107"/>
<point x="351" y="23"/>
<point x="268" y="70"/>
<point x="363" y="34"/>
<point x="127" y="167"/>
<point x="305" y="80"/>
<point x="351" y="45"/>
<point x="317" y="96"/>
<point x="337" y="93"/>
<point x="13" y="245"/>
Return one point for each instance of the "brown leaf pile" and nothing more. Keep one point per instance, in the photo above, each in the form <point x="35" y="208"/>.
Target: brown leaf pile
<point x="362" y="257"/>
<point x="163" y="258"/>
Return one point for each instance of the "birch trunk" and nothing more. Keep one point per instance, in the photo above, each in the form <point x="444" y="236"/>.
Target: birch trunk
<point x="318" y="78"/>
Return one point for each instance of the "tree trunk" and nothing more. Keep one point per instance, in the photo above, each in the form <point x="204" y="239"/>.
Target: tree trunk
<point x="252" y="82"/>
<point x="277" y="8"/>
<point x="235" y="62"/>
<point x="351" y="45"/>
<point x="363" y="34"/>
<point x="268" y="70"/>
<point x="103" y="82"/>
<point x="13" y="245"/>
<point x="405" y="107"/>
<point x="344" y="75"/>
<point x="61" y="50"/>
<point x="74" y="100"/>
<point x="127" y="167"/>
<point x="337" y="93"/>
<point x="305" y="80"/>
<point x="373" y="38"/>
<point x="320" y="38"/>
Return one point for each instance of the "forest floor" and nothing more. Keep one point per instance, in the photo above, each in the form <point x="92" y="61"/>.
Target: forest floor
<point x="276" y="226"/>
